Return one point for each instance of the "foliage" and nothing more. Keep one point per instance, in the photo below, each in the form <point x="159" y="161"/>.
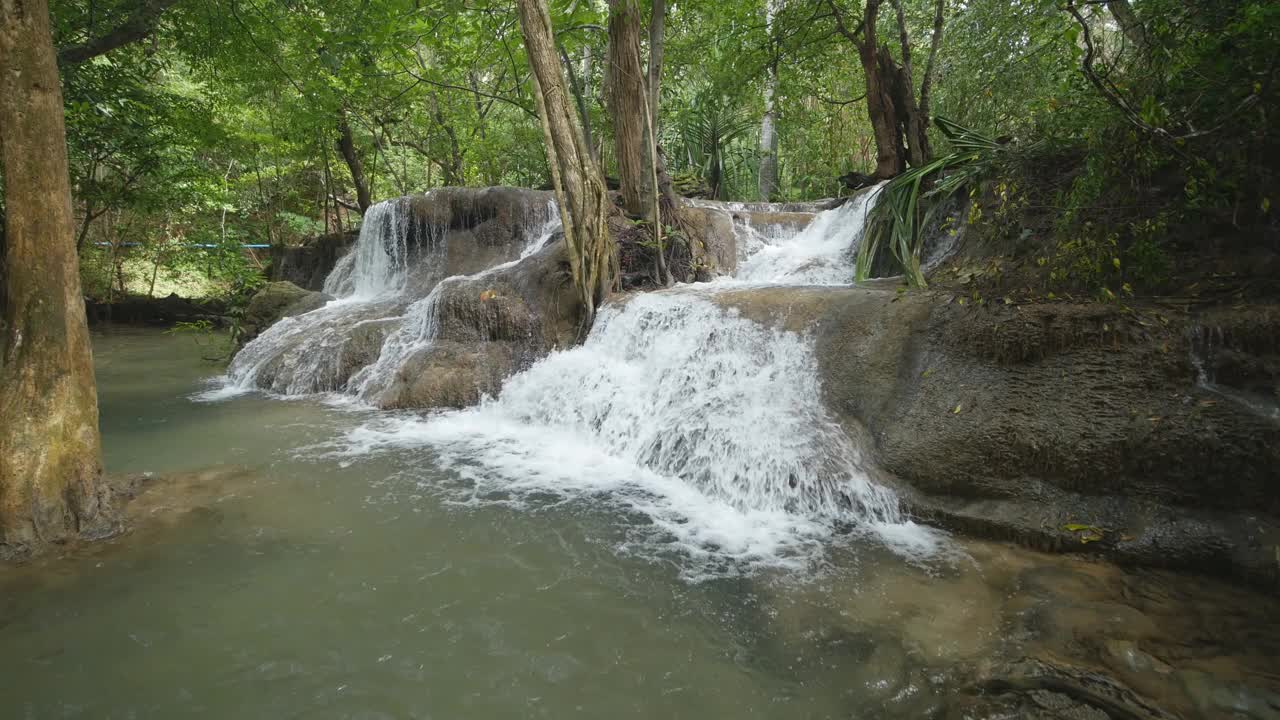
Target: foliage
<point x="220" y="127"/>
<point x="906" y="205"/>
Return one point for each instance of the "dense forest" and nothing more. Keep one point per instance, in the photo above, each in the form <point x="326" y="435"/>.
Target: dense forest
<point x="194" y="129"/>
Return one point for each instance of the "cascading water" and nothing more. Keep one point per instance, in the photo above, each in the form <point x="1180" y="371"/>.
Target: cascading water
<point x="823" y="253"/>
<point x="385" y="285"/>
<point x="422" y="319"/>
<point x="708" y="424"/>
<point x="303" y="354"/>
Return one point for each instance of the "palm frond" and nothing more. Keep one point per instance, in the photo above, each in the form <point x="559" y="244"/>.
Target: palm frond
<point x="897" y="217"/>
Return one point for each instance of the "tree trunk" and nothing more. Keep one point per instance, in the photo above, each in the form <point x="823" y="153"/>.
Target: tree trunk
<point x="50" y="452"/>
<point x="1128" y="21"/>
<point x="579" y="96"/>
<point x="580" y="189"/>
<point x="347" y="146"/>
<point x="768" y="185"/>
<point x="899" y="126"/>
<point x="657" y="41"/>
<point x="453" y="171"/>
<point x="626" y="96"/>
<point x="915" y="126"/>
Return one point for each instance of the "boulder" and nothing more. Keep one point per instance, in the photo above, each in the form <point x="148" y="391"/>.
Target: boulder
<point x="491" y="327"/>
<point x="308" y="264"/>
<point x="1082" y="427"/>
<point x="274" y="301"/>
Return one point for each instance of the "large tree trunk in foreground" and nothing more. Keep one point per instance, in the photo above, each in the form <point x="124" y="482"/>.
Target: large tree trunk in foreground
<point x="579" y="187"/>
<point x="50" y="456"/>
<point x="347" y="146"/>
<point x="626" y="96"/>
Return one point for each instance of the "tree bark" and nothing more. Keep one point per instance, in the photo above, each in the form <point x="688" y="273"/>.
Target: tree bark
<point x="579" y="187"/>
<point x="1128" y="21"/>
<point x="51" y="485"/>
<point x="453" y="171"/>
<point x="935" y="42"/>
<point x="579" y="97"/>
<point x="626" y="96"/>
<point x="768" y="181"/>
<point x="347" y="146"/>
<point x="915" y="126"/>
<point x="657" y="42"/>
<point x="899" y="125"/>
<point x="881" y="108"/>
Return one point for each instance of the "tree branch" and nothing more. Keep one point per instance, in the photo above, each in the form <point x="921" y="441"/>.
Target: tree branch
<point x="140" y="23"/>
<point x="851" y="35"/>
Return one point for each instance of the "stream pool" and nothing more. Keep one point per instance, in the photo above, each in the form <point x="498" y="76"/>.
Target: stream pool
<point x="267" y="578"/>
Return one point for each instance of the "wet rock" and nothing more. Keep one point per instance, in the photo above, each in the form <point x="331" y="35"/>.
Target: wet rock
<point x="1061" y="427"/>
<point x="1215" y="696"/>
<point x="713" y="231"/>
<point x="478" y="226"/>
<point x="491" y="327"/>
<point x="308" y="264"/>
<point x="274" y="301"/>
<point x="1033" y="688"/>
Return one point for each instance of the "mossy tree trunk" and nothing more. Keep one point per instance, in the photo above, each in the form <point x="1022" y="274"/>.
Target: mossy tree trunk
<point x="626" y="94"/>
<point x="579" y="187"/>
<point x="50" y="458"/>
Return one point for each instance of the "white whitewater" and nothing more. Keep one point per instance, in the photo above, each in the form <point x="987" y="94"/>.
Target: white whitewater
<point x="708" y="424"/>
<point x="301" y="354"/>
<point x="382" y="281"/>
<point x="823" y="253"/>
<point x="422" y="319"/>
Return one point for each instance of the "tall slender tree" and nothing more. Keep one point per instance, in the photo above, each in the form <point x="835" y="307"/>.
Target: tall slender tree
<point x="768" y="181"/>
<point x="50" y="454"/>
<point x="626" y="97"/>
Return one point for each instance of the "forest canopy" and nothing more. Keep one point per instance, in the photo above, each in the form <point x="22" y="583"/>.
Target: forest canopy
<point x="195" y="129"/>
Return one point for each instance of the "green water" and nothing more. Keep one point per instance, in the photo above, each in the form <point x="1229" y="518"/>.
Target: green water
<point x="305" y="587"/>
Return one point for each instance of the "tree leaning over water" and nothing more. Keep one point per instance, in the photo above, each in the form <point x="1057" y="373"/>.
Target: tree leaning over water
<point x="51" y="485"/>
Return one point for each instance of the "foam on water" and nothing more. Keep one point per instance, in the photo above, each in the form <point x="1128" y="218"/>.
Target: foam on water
<point x="708" y="424"/>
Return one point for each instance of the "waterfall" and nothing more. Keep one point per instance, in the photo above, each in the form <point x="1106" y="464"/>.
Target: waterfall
<point x="823" y="253"/>
<point x="422" y="319"/>
<point x="378" y="264"/>
<point x="708" y="425"/>
<point x="1203" y="346"/>
<point x="387" y="285"/>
